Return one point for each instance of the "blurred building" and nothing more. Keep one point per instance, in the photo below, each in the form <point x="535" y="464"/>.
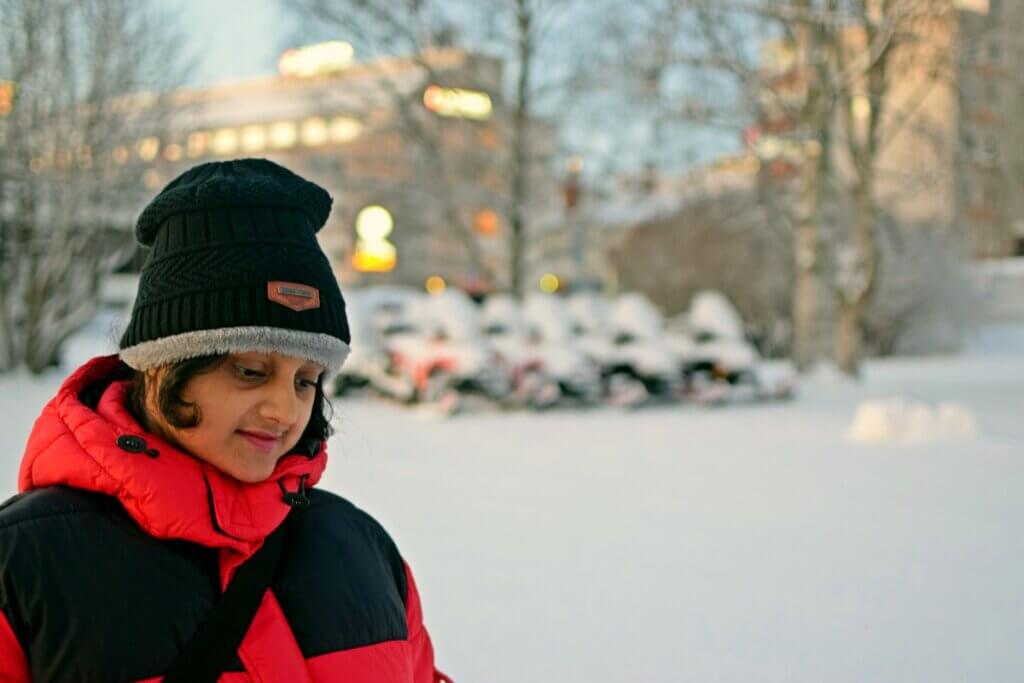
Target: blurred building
<point x="954" y="155"/>
<point x="413" y="150"/>
<point x="990" y="203"/>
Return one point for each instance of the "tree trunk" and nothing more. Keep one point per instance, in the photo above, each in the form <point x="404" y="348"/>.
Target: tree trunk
<point x="805" y="245"/>
<point x="813" y="175"/>
<point x="856" y="281"/>
<point x="848" y="336"/>
<point x="521" y="150"/>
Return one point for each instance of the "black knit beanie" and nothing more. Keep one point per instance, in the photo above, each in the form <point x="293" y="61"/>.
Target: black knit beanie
<point x="234" y="265"/>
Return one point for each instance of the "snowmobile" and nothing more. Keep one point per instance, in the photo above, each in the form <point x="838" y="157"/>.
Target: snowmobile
<point x="636" y="369"/>
<point x="373" y="315"/>
<point x="440" y="356"/>
<point x="719" y="364"/>
<point x="544" y="373"/>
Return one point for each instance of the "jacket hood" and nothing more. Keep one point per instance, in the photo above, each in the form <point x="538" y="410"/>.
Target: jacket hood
<point x="171" y="495"/>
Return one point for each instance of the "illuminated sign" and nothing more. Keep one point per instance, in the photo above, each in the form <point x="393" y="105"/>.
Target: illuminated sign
<point x="316" y="60"/>
<point x="456" y="102"/>
<point x="978" y="6"/>
<point x="374" y="253"/>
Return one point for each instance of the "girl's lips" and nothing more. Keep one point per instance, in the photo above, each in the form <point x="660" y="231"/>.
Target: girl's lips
<point x="262" y="442"/>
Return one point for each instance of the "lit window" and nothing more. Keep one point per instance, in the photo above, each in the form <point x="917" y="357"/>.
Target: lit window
<point x="469" y="104"/>
<point x="198" y="143"/>
<point x="344" y="129"/>
<point x="254" y="138"/>
<point x="314" y="132"/>
<point x="172" y="152"/>
<point x="225" y="141"/>
<point x="282" y="135"/>
<point x="148" y="148"/>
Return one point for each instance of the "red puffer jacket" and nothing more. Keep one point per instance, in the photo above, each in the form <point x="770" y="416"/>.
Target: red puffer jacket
<point x="112" y="555"/>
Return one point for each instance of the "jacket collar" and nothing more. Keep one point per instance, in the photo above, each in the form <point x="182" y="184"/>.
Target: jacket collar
<point x="171" y="495"/>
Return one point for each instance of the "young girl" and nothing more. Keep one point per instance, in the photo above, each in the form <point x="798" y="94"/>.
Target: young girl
<point x="156" y="477"/>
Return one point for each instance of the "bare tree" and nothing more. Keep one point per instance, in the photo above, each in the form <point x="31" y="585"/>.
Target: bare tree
<point x="421" y="30"/>
<point x="81" y="75"/>
<point x="860" y="98"/>
<point x="892" y="56"/>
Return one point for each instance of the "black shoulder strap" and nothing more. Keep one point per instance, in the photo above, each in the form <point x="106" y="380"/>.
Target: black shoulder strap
<point x="213" y="646"/>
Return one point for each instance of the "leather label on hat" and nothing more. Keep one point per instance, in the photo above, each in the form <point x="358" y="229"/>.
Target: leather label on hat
<point x="295" y="296"/>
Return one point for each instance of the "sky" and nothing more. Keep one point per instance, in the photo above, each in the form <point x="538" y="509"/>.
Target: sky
<point x="238" y="39"/>
<point x="232" y="39"/>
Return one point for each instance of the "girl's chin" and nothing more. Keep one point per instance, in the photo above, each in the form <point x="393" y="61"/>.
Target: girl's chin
<point x="251" y="476"/>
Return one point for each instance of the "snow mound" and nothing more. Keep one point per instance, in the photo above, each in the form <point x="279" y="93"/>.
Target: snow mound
<point x="896" y="421"/>
<point x="549" y="315"/>
<point x="711" y="311"/>
<point x="589" y="311"/>
<point x="635" y="313"/>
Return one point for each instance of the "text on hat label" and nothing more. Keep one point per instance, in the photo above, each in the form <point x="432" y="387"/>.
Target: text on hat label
<point x="294" y="295"/>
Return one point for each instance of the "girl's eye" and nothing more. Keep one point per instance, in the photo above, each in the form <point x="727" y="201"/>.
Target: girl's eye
<point x="306" y="383"/>
<point x="248" y="373"/>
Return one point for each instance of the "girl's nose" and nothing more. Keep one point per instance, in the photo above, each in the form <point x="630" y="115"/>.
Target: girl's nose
<point x="280" y="405"/>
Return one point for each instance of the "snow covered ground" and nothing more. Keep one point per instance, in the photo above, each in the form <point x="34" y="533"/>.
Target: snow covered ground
<point x="732" y="544"/>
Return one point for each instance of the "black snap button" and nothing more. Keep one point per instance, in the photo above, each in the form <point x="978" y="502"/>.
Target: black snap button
<point x="135" y="444"/>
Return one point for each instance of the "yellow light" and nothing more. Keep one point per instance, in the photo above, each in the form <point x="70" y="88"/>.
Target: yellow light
<point x="458" y="102"/>
<point x="197" y="143"/>
<point x="436" y="284"/>
<point x="120" y="154"/>
<point x="254" y="138"/>
<point x="374" y="223"/>
<point x="283" y="134"/>
<point x="316" y="60"/>
<point x="345" y="129"/>
<point x="148" y="148"/>
<point x="549" y="283"/>
<point x="374" y="253"/>
<point x="225" y="141"/>
<point x="314" y="131"/>
<point x="172" y="152"/>
<point x="374" y="257"/>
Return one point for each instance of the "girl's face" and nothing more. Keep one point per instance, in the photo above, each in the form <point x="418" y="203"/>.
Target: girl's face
<point x="253" y="408"/>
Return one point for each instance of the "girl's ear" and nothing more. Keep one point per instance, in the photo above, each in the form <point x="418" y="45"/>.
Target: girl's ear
<point x="152" y="386"/>
<point x="151" y="396"/>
